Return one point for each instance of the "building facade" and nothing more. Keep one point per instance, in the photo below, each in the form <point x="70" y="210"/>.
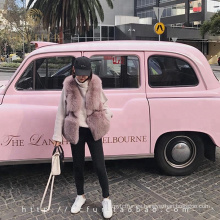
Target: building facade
<point x="135" y="20"/>
<point x="182" y="19"/>
<point x="175" y="12"/>
<point x="106" y="29"/>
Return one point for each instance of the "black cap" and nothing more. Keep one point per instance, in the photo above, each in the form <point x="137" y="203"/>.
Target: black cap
<point x="82" y="66"/>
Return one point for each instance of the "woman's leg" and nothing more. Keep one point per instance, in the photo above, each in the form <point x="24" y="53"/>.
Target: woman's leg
<point x="96" y="151"/>
<point x="78" y="154"/>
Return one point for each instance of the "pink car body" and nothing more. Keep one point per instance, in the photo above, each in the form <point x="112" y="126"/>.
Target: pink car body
<point x="144" y="118"/>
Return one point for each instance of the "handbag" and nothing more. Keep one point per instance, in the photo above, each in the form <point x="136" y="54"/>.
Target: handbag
<point x="57" y="160"/>
<point x="57" y="164"/>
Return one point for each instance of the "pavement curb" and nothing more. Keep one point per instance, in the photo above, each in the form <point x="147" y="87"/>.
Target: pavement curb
<point x="5" y="69"/>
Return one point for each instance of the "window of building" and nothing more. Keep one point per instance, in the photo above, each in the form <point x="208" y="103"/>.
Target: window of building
<point x="46" y="74"/>
<point x="117" y="71"/>
<point x="145" y="3"/>
<point x="107" y="33"/>
<point x="173" y="10"/>
<point x="149" y="13"/>
<point x="144" y="14"/>
<point x="104" y="33"/>
<point x="96" y="34"/>
<point x="164" y="1"/>
<point x="169" y="12"/>
<point x="195" y="6"/>
<point x="111" y="33"/>
<point x="139" y="14"/>
<point x="166" y="71"/>
<point x="90" y="35"/>
<point x="212" y="6"/>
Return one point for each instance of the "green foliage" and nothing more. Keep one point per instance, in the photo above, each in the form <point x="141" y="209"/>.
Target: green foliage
<point x="17" y="61"/>
<point x="17" y="28"/>
<point x="55" y="66"/>
<point x="10" y="65"/>
<point x="215" y="26"/>
<point x="217" y="14"/>
<point x="211" y="26"/>
<point x="205" y="27"/>
<point x="57" y="60"/>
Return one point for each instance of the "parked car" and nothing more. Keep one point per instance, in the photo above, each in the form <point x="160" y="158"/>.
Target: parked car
<point x="164" y="98"/>
<point x="14" y="57"/>
<point x="2" y="58"/>
<point x="219" y="61"/>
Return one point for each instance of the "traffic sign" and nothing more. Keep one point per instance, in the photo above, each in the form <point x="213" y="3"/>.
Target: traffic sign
<point x="158" y="12"/>
<point x="174" y="39"/>
<point x="159" y="28"/>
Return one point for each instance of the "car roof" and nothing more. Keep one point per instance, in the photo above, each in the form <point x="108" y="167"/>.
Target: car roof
<point x="125" y="45"/>
<point x="122" y="45"/>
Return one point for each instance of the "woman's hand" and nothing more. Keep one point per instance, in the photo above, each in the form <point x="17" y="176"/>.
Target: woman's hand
<point x="56" y="143"/>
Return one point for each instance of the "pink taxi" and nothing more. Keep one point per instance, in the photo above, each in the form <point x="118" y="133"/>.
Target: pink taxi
<point x="164" y="98"/>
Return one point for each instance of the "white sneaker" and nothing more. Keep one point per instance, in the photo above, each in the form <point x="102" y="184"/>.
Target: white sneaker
<point x="107" y="208"/>
<point x="79" y="201"/>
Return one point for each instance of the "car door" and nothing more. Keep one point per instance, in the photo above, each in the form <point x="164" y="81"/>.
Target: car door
<point x="123" y="79"/>
<point x="174" y="91"/>
<point x="29" y="107"/>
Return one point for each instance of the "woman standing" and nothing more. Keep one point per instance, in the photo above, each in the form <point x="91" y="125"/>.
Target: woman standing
<point x="84" y="117"/>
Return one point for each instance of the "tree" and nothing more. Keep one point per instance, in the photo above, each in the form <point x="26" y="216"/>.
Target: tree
<point x="211" y="26"/>
<point x="7" y="41"/>
<point x="70" y="15"/>
<point x="19" y="22"/>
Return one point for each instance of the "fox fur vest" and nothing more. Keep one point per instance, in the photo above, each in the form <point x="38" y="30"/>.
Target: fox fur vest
<point x="96" y="118"/>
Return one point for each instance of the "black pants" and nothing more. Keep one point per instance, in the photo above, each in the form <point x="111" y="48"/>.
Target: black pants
<point x="96" y="151"/>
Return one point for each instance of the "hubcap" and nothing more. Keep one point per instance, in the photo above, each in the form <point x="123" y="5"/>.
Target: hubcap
<point x="180" y="152"/>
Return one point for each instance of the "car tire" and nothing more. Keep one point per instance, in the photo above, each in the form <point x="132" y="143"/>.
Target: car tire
<point x="179" y="154"/>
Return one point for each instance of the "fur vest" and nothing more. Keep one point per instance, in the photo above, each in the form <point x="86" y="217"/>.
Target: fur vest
<point x="96" y="119"/>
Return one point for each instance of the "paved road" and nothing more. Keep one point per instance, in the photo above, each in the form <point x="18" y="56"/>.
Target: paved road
<point x="6" y="73"/>
<point x="138" y="190"/>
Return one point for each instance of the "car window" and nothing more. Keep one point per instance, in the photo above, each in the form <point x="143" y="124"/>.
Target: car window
<point x="167" y="71"/>
<point x="26" y="80"/>
<point x="117" y="71"/>
<point x="46" y="74"/>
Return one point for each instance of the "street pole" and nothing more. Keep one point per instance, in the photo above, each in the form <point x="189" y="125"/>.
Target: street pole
<point x="158" y="3"/>
<point x="24" y="2"/>
<point x="158" y="12"/>
<point x="159" y="15"/>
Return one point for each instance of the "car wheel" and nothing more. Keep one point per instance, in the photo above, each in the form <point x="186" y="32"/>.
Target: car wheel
<point x="179" y="154"/>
